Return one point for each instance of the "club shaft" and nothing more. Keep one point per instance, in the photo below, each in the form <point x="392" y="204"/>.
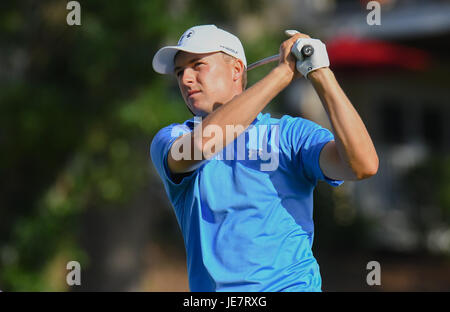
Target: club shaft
<point x="264" y="61"/>
<point x="307" y="51"/>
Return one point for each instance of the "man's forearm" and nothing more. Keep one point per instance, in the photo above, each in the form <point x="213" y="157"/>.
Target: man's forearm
<point x="353" y="142"/>
<point x="243" y="108"/>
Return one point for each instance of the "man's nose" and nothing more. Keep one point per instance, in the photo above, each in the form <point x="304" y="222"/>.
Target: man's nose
<point x="188" y="76"/>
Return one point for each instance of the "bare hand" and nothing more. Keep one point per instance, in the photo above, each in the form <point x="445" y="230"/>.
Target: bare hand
<point x="287" y="59"/>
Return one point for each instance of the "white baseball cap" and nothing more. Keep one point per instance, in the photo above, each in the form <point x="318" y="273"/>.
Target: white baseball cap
<point x="199" y="39"/>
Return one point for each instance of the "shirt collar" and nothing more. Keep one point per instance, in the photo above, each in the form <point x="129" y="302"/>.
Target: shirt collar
<point x="193" y="122"/>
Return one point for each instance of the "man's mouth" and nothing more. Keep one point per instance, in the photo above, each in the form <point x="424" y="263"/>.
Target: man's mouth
<point x="192" y="92"/>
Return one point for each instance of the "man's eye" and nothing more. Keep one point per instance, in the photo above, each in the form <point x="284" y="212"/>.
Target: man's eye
<point x="198" y="64"/>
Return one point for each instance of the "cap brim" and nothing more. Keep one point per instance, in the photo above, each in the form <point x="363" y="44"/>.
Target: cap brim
<point x="163" y="61"/>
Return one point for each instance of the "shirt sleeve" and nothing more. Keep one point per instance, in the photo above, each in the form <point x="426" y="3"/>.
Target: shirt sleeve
<point x="307" y="140"/>
<point x="159" y="151"/>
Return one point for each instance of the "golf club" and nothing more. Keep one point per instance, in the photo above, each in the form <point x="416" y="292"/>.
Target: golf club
<point x="307" y="51"/>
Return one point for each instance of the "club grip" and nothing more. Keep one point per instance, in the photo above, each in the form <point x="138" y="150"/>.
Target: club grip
<point x="307" y="50"/>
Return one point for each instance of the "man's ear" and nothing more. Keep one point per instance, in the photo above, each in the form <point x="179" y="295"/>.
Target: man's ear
<point x="238" y="69"/>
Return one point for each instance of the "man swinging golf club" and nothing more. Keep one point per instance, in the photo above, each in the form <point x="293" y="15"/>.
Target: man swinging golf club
<point x="247" y="228"/>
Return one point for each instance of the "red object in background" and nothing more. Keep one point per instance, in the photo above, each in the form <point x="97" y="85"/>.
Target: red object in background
<point x="349" y="52"/>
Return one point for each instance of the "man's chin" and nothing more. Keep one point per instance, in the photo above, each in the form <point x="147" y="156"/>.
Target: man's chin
<point x="197" y="109"/>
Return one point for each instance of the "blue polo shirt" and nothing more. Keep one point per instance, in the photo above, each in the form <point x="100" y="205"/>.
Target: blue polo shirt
<point x="246" y="215"/>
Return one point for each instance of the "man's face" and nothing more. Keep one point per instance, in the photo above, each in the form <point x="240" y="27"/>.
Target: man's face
<point x="205" y="80"/>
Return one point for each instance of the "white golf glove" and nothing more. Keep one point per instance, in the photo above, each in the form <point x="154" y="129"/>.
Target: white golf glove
<point x="318" y="59"/>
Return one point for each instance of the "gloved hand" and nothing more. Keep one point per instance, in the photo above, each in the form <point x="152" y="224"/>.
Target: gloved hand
<point x="318" y="59"/>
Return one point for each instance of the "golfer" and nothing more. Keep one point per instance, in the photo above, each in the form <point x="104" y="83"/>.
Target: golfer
<point x="246" y="219"/>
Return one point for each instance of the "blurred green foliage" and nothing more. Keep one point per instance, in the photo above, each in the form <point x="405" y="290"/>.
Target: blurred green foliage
<point x="78" y="108"/>
<point x="427" y="186"/>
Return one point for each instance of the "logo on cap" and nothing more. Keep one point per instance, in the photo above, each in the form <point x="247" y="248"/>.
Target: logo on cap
<point x="186" y="35"/>
<point x="229" y="49"/>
